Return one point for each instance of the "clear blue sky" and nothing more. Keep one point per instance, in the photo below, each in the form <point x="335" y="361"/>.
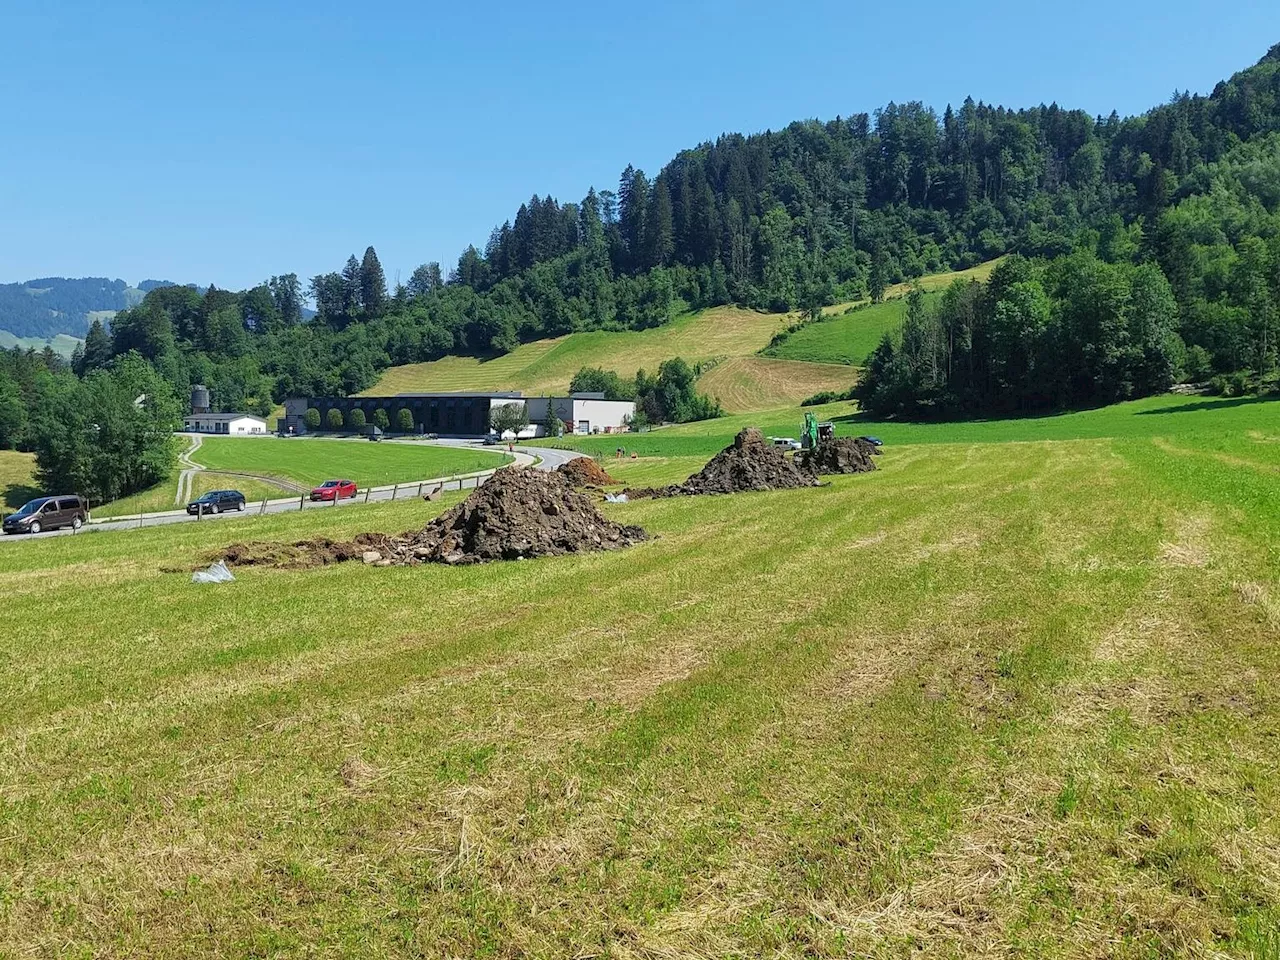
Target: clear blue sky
<point x="225" y="142"/>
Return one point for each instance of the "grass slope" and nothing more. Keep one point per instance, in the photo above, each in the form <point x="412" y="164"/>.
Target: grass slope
<point x="63" y="344"/>
<point x="160" y="497"/>
<point x="311" y="461"/>
<point x="847" y="338"/>
<point x="996" y="698"/>
<point x="852" y="330"/>
<point x="547" y="366"/>
<point x="17" y="479"/>
<point x="755" y="383"/>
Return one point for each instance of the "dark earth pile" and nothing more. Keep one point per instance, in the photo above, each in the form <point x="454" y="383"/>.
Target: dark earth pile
<point x="841" y="455"/>
<point x="518" y="514"/>
<point x="585" y="472"/>
<point x="750" y="463"/>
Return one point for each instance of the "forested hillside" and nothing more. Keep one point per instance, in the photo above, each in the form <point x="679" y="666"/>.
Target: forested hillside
<point x="1169" y="221"/>
<point x="49" y="306"/>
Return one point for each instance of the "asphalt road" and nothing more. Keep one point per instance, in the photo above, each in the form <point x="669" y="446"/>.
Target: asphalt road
<point x="549" y="459"/>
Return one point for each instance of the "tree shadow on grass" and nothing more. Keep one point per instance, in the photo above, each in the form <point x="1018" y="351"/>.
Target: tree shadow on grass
<point x="1215" y="403"/>
<point x="19" y="493"/>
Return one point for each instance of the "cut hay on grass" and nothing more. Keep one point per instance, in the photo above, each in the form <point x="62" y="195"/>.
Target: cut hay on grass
<point x="977" y="703"/>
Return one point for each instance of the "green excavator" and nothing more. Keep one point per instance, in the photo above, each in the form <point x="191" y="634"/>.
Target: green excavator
<point x="814" y="433"/>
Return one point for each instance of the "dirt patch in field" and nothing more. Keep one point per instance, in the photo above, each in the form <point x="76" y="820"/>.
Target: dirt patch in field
<point x="841" y="455"/>
<point x="300" y="554"/>
<point x="516" y="515"/>
<point x="749" y="463"/>
<point x="585" y="472"/>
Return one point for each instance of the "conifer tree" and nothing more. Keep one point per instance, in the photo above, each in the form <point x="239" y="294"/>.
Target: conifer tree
<point x="373" y="285"/>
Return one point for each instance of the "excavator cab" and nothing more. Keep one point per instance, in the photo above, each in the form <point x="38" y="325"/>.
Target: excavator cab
<point x="814" y="433"/>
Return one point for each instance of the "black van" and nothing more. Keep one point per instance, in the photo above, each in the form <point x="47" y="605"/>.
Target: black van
<point x="48" y="513"/>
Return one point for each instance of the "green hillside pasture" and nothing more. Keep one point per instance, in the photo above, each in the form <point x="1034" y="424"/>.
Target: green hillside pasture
<point x="847" y="338"/>
<point x="850" y="331"/>
<point x="312" y="461"/>
<point x="63" y="344"/>
<point x="744" y="384"/>
<point x="1014" y="697"/>
<point x="547" y="366"/>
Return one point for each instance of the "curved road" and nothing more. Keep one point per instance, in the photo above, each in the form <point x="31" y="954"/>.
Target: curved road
<point x="547" y="459"/>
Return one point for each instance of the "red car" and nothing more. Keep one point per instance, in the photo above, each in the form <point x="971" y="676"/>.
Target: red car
<point x="334" y="490"/>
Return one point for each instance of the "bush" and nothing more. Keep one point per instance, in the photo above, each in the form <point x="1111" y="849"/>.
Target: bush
<point x="311" y="419"/>
<point x="1199" y="364"/>
<point x="1229" y="384"/>
<point x="334" y="419"/>
<point x="827" y="396"/>
<point x="355" y="419"/>
<point x="381" y="419"/>
<point x="404" y="420"/>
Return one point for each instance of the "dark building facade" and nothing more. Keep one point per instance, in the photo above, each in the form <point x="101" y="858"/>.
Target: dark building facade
<point x="446" y="414"/>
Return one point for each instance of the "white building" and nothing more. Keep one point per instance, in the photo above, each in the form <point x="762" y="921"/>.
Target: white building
<point x="583" y="412"/>
<point x="230" y="424"/>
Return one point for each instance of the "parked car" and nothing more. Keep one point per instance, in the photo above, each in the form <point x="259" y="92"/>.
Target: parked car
<point x="491" y="440"/>
<point x="216" y="501"/>
<point x="334" y="490"/>
<point x="48" y="513"/>
<point x="785" y="443"/>
<point x="874" y="441"/>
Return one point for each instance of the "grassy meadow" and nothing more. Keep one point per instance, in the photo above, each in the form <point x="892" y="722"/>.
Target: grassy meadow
<point x="850" y="331"/>
<point x="846" y="338"/>
<point x="547" y="366"/>
<point x="744" y="384"/>
<point x="1013" y="693"/>
<point x="311" y="461"/>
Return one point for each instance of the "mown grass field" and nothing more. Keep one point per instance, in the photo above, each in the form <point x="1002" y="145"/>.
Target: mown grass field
<point x="312" y="461"/>
<point x="744" y="382"/>
<point x="547" y="366"/>
<point x="1008" y="695"/>
<point x="758" y="383"/>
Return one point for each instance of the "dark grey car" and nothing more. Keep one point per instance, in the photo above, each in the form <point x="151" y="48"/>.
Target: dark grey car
<point x="48" y="513"/>
<point x="216" y="501"/>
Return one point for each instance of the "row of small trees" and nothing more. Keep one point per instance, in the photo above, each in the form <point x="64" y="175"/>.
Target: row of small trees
<point x="356" y="420"/>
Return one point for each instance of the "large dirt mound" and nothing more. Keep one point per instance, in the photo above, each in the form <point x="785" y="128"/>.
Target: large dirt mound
<point x="749" y="463"/>
<point x="518" y="514"/>
<point x="585" y="472"/>
<point x="841" y="455"/>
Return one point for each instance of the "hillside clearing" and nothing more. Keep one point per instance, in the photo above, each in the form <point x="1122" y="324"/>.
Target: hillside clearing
<point x="850" y="331"/>
<point x="847" y="338"/>
<point x="547" y="366"/>
<point x="755" y="383"/>
<point x="974" y="702"/>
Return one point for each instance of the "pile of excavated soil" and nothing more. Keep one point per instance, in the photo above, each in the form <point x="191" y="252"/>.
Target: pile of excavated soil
<point x="841" y="455"/>
<point x="516" y="515"/>
<point x="749" y="463"/>
<point x="585" y="472"/>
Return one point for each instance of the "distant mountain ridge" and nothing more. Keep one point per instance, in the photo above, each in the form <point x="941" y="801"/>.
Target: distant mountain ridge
<point x="48" y="306"/>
